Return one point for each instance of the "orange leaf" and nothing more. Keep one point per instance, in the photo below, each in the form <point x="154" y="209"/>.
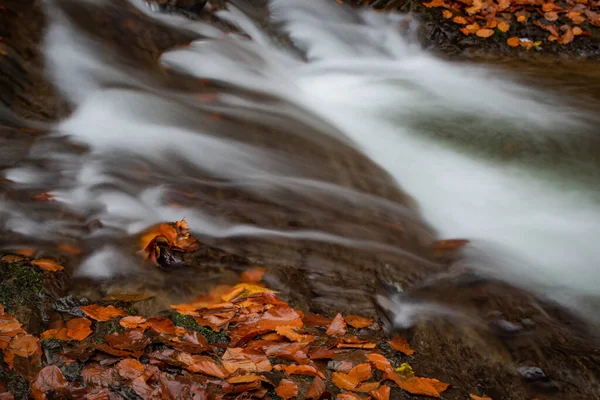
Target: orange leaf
<point x="337" y="327"/>
<point x="58" y="334"/>
<point x="79" y="328"/>
<point x="207" y="366"/>
<point x="316" y="389"/>
<point x="348" y="396"/>
<point x="27" y="252"/>
<point x="344" y="381"/>
<point x="367" y="387"/>
<point x="254" y="275"/>
<point x="100" y="313"/>
<point x="513" y="41"/>
<point x="244" y="379"/>
<point x="380" y="362"/>
<point x="568" y="36"/>
<point x="247" y="361"/>
<point x="48" y="265"/>
<point x="503" y="26"/>
<point x="358" y="322"/>
<point x="503" y="4"/>
<point x="49" y="379"/>
<point x="577" y="31"/>
<point x="130" y="368"/>
<point x="491" y="23"/>
<point x="312" y="320"/>
<point x="287" y="389"/>
<point x="361" y="372"/>
<point x="479" y="398"/>
<point x="294" y="369"/>
<point x="548" y="7"/>
<point x="401" y="345"/>
<point x="484" y="33"/>
<point x="23" y="354"/>
<point x="161" y="325"/>
<point x="551" y="16"/>
<point x="414" y="385"/>
<point x="383" y="393"/>
<point x="164" y="230"/>
<point x="290" y="333"/>
<point x="447" y="14"/>
<point x="460" y="20"/>
<point x="133" y="322"/>
<point x="438" y="385"/>
<point x="522" y="16"/>
<point x="67" y="248"/>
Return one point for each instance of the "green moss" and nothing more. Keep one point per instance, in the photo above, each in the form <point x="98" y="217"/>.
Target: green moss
<point x="187" y="322"/>
<point x="15" y="384"/>
<point x="21" y="285"/>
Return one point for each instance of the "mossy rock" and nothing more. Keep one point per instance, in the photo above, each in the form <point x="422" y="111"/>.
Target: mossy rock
<point x="28" y="292"/>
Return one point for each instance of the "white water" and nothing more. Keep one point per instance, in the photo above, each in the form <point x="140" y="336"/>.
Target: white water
<point x="365" y="80"/>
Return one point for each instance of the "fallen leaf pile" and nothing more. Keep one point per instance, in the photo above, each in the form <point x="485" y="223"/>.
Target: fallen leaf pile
<point x="562" y="20"/>
<point x="237" y="341"/>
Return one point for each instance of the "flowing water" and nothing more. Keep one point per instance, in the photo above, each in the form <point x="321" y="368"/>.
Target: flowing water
<point x="295" y="130"/>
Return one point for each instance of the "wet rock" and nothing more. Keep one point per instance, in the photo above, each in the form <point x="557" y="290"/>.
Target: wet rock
<point x="528" y="323"/>
<point x="504" y="327"/>
<point x="531" y="374"/>
<point x="70" y="305"/>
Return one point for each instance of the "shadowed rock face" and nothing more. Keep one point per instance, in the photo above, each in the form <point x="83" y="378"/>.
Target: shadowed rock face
<point x="495" y="329"/>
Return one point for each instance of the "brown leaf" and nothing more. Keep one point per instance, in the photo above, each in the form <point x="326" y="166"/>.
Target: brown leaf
<point x="551" y="16"/>
<point x="503" y="4"/>
<point x="49" y="379"/>
<point x="447" y="14"/>
<point x="400" y="344"/>
<point x="358" y="322"/>
<point x="383" y="393"/>
<point x="484" y="33"/>
<point x="131" y="340"/>
<point x="161" y="325"/>
<point x="57" y="334"/>
<point x="344" y="381"/>
<point x="337" y="327"/>
<point x="361" y="372"/>
<point x="48" y="265"/>
<point x="244" y="378"/>
<point x="568" y="36"/>
<point x="244" y="360"/>
<point x="98" y="376"/>
<point x="23" y="354"/>
<point x="279" y="316"/>
<point x="287" y="389"/>
<point x="9" y="328"/>
<point x="348" y="396"/>
<point x="316" y="389"/>
<point x="190" y="342"/>
<point x="130" y="368"/>
<point x="253" y="275"/>
<point x="321" y="354"/>
<point x="313" y="320"/>
<point x="133" y="322"/>
<point x="549" y="7"/>
<point x="141" y="388"/>
<point x="7" y="396"/>
<point x="79" y="328"/>
<point x="207" y="366"/>
<point x="100" y="313"/>
<point x="577" y="31"/>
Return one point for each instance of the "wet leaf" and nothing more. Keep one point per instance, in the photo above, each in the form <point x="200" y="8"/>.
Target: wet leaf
<point x="141" y="388"/>
<point x="358" y="322"/>
<point x="503" y="26"/>
<point x="161" y="325"/>
<point x="367" y="387"/>
<point x="293" y="369"/>
<point x="133" y="322"/>
<point x="130" y="368"/>
<point x="337" y="327"/>
<point x="348" y="396"/>
<point x="419" y="386"/>
<point x="100" y="313"/>
<point x="287" y="389"/>
<point x="23" y="354"/>
<point x="344" y="381"/>
<point x="460" y="20"/>
<point x="48" y="265"/>
<point x="207" y="366"/>
<point x="49" y="379"/>
<point x="380" y="362"/>
<point x="316" y="389"/>
<point x="577" y="31"/>
<point x="361" y="372"/>
<point x="447" y="14"/>
<point x="568" y="36"/>
<point x="58" y="334"/>
<point x="290" y="333"/>
<point x="131" y="340"/>
<point x="551" y="16"/>
<point x="9" y="328"/>
<point x="312" y="320"/>
<point x="244" y="360"/>
<point x="98" y="376"/>
<point x="322" y="354"/>
<point x="484" y="33"/>
<point x="400" y="344"/>
<point x="244" y="379"/>
<point x="190" y="342"/>
<point x="69" y="248"/>
<point x="383" y="393"/>
<point x="79" y="328"/>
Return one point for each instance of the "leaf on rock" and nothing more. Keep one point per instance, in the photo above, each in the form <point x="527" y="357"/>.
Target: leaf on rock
<point x="132" y="322"/>
<point x="287" y="389"/>
<point x="484" y="33"/>
<point x="279" y="316"/>
<point x="79" y="328"/>
<point x="100" y="313"/>
<point x="383" y="393"/>
<point x="98" y="376"/>
<point x="21" y="350"/>
<point x="253" y="275"/>
<point x="131" y="340"/>
<point x="400" y="344"/>
<point x="190" y="342"/>
<point x="316" y="389"/>
<point x="312" y="320"/>
<point x="130" y="368"/>
<point x="503" y="26"/>
<point x="161" y="325"/>
<point x="513" y="41"/>
<point x="337" y="327"/>
<point x="380" y="362"/>
<point x="48" y="265"/>
<point x="414" y="385"/>
<point x="358" y="322"/>
<point x="322" y="354"/>
<point x="290" y="333"/>
<point x="294" y="369"/>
